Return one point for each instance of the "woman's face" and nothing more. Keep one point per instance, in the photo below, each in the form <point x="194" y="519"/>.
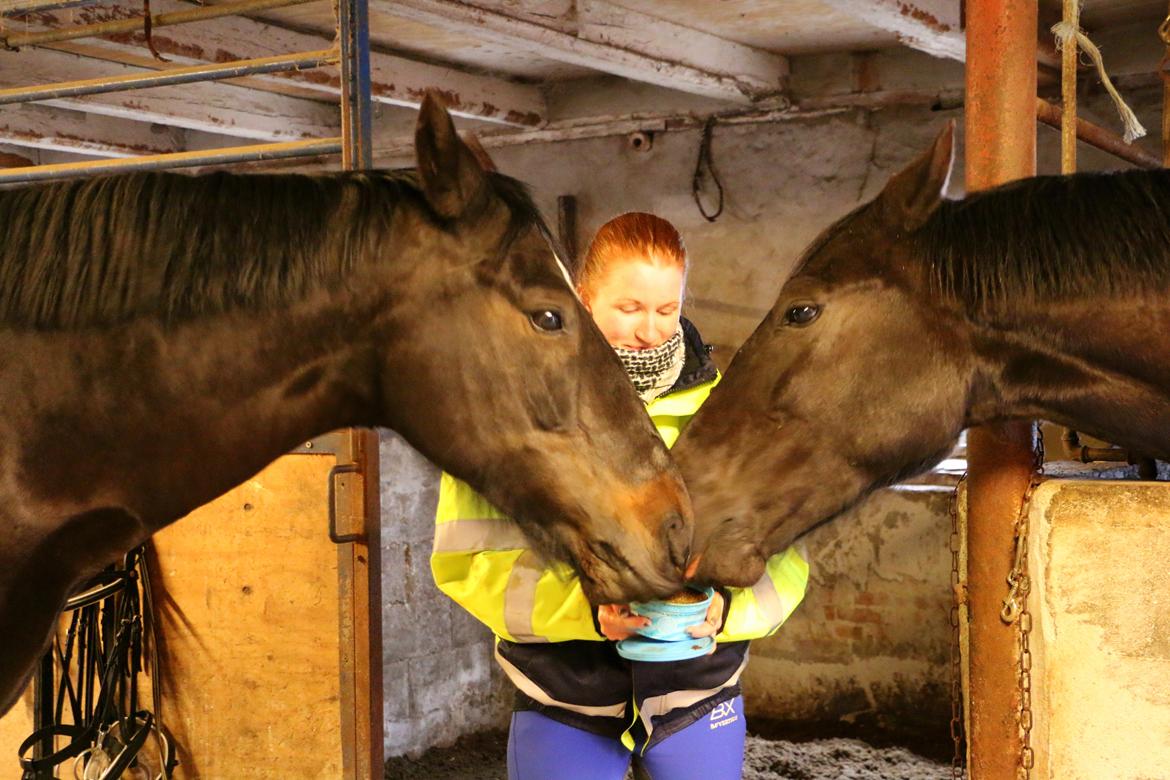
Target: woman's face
<point x="637" y="303"/>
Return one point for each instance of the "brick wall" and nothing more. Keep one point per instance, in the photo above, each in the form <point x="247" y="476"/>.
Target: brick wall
<point x="871" y="640"/>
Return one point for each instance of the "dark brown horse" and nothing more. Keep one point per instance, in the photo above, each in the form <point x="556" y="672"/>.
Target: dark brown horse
<point x="163" y="337"/>
<point x="914" y="317"/>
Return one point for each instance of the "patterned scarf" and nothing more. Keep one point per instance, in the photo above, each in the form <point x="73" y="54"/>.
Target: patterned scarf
<point x="654" y="371"/>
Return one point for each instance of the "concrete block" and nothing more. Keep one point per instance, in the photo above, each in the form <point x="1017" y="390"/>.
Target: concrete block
<point x="394" y="572"/>
<point x="1101" y="629"/>
<point x="412" y="631"/>
<point x="409" y="490"/>
<point x="396" y="698"/>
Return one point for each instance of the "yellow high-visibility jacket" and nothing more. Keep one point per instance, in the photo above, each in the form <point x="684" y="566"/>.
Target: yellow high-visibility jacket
<point x="481" y="560"/>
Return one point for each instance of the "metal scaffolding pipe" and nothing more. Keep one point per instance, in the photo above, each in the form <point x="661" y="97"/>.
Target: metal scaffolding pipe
<point x="1000" y="146"/>
<point x="186" y="75"/>
<point x="20" y="7"/>
<point x="1097" y="136"/>
<point x="133" y="25"/>
<point x="353" y="29"/>
<point x="232" y="154"/>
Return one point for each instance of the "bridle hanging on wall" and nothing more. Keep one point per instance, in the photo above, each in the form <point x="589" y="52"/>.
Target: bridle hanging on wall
<point x="95" y="669"/>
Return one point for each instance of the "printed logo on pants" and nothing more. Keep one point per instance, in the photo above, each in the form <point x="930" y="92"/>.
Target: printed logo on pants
<point x="723" y="714"/>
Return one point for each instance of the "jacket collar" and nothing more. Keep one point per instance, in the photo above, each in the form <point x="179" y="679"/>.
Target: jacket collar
<point x="698" y="367"/>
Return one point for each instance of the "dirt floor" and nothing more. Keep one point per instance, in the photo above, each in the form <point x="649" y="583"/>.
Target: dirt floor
<point x="481" y="757"/>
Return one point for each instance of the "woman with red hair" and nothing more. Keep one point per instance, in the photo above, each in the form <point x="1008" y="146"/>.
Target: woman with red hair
<point x="585" y="704"/>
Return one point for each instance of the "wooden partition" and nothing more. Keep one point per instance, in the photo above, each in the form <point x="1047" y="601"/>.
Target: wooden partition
<point x="14" y="728"/>
<point x="269" y="631"/>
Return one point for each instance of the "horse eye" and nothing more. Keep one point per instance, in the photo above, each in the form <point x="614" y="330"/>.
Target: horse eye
<point x="547" y="319"/>
<point x="802" y="314"/>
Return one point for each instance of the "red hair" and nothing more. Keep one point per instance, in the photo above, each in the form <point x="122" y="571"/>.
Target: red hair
<point x="631" y="237"/>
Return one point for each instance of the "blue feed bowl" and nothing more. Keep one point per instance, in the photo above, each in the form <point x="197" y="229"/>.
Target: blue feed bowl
<point x="669" y="622"/>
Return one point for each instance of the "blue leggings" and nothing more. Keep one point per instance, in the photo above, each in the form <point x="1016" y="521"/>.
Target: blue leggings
<point x="711" y="748"/>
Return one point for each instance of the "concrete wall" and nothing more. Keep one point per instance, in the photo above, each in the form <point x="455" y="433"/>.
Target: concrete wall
<point x="784" y="183"/>
<point x="439" y="678"/>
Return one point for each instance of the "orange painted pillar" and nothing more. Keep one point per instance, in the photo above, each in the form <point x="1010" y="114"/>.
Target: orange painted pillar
<point x="1000" y="126"/>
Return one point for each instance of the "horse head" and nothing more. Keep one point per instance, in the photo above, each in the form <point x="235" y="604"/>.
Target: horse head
<point x="853" y="380"/>
<point x="512" y="388"/>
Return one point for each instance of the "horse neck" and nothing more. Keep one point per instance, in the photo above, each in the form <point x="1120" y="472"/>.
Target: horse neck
<point x="215" y="400"/>
<point x="1098" y="366"/>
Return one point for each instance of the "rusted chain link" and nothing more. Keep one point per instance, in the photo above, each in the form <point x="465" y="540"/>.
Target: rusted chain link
<point x="958" y="600"/>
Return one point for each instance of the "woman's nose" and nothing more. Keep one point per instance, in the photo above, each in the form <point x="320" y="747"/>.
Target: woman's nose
<point x="649" y="330"/>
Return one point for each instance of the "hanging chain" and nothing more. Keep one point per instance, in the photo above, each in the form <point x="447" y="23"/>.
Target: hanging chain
<point x="1015" y="610"/>
<point x="959" y="598"/>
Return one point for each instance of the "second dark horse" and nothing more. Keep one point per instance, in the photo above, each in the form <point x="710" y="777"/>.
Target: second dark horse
<point x="915" y="317"/>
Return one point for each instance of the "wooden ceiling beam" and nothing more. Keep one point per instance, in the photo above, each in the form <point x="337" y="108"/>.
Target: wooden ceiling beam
<point x="42" y="127"/>
<point x="607" y="38"/>
<point x="932" y="26"/>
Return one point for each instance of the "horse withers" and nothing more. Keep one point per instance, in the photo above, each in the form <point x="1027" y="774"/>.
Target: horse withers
<point x="914" y="317"/>
<point x="163" y="337"/>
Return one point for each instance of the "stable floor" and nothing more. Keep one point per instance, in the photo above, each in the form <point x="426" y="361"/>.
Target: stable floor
<point x="481" y="757"/>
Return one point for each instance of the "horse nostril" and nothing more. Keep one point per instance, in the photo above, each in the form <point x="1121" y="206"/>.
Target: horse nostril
<point x="678" y="539"/>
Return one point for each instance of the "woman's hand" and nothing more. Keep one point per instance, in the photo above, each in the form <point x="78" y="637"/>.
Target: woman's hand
<point x="617" y="622"/>
<point x="714" y="621"/>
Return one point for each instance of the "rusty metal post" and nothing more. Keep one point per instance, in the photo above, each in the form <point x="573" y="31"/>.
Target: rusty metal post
<point x="1000" y="125"/>
<point x="359" y="562"/>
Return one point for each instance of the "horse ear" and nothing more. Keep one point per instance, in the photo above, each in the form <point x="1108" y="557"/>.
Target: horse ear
<point x="481" y="155"/>
<point x="452" y="179"/>
<point x="912" y="195"/>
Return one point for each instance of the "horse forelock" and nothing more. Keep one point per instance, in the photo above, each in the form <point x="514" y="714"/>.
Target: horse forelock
<point x="105" y="250"/>
<point x="813" y="260"/>
<point x="1051" y="238"/>
<point x="524" y="215"/>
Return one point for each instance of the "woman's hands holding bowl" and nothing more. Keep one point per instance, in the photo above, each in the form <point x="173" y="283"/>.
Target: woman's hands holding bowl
<point x="714" y="621"/>
<point x="617" y="622"/>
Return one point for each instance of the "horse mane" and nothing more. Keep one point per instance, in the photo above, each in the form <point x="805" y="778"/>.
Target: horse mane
<point x="1053" y="238"/>
<point x="100" y="251"/>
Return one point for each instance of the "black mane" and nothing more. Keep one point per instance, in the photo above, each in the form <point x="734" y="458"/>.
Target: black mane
<point x="104" y="250"/>
<point x="1052" y="237"/>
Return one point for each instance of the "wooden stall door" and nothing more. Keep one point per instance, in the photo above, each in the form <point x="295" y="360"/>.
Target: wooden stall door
<point x="270" y="630"/>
